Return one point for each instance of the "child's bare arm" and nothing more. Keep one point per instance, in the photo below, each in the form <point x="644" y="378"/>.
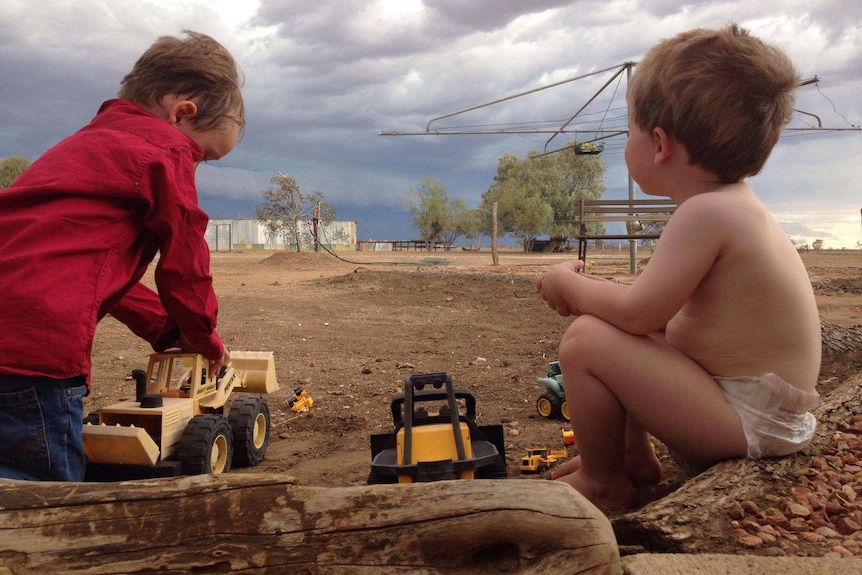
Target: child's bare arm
<point x="559" y="286"/>
<point x="690" y="244"/>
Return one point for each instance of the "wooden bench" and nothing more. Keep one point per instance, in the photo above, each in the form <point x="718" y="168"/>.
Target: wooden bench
<point x="632" y="212"/>
<point x="419" y="245"/>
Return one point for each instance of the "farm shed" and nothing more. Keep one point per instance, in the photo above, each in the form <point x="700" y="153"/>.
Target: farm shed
<point x="226" y="234"/>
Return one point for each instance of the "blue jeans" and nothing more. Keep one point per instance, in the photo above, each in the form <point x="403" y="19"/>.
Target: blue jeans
<point x="40" y="428"/>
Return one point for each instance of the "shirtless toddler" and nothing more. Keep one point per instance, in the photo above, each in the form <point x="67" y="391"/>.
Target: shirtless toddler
<point x="715" y="347"/>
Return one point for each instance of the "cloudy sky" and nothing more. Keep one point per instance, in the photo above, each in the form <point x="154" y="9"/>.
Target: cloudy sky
<point x="325" y="77"/>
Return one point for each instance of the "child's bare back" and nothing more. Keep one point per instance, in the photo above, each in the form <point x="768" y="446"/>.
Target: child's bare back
<point x="754" y="312"/>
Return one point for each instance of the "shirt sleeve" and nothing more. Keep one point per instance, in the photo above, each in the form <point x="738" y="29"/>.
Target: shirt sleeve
<point x="141" y="311"/>
<point x="182" y="273"/>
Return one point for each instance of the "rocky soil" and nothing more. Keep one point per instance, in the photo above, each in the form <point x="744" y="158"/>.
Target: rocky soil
<point x="349" y="329"/>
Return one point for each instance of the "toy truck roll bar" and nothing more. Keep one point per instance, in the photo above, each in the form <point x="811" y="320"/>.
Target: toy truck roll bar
<point x="428" y="446"/>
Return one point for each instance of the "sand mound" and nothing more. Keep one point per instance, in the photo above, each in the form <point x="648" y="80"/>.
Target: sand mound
<point x="303" y="261"/>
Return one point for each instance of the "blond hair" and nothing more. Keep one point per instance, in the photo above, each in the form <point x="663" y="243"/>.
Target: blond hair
<point x="197" y="67"/>
<point x="724" y="94"/>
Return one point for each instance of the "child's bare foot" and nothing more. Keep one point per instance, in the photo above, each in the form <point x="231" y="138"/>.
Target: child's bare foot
<point x="642" y="470"/>
<point x="567" y="467"/>
<point x="609" y="497"/>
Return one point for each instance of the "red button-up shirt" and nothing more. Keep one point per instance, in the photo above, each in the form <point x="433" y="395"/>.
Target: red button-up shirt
<point x="77" y="232"/>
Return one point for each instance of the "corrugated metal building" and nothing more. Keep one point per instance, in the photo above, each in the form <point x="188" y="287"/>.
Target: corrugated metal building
<point x="224" y="235"/>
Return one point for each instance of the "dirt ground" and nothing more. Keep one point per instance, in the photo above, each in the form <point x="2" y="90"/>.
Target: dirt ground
<point x="349" y="330"/>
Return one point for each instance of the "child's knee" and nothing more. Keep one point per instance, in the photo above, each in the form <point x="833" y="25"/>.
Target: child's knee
<point x="574" y="345"/>
<point x="584" y="333"/>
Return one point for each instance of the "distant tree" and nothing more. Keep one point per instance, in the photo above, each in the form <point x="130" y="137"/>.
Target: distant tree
<point x="462" y="222"/>
<point x="521" y="209"/>
<point x="286" y="209"/>
<point x="10" y="168"/>
<point x="573" y="177"/>
<point x="538" y="194"/>
<point x="469" y="224"/>
<point x="433" y="210"/>
<point x="817" y="245"/>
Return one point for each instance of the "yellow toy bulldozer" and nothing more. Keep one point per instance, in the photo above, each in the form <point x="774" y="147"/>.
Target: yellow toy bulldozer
<point x="176" y="423"/>
<point x="539" y="459"/>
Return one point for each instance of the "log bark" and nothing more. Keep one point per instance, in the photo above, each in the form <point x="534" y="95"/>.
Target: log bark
<point x="684" y="521"/>
<point x="839" y="339"/>
<point x="263" y="523"/>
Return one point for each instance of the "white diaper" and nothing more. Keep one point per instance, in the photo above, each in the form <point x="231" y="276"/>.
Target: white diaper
<point x="774" y="414"/>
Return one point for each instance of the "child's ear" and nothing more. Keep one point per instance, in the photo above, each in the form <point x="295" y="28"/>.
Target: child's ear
<point x="182" y="111"/>
<point x="663" y="144"/>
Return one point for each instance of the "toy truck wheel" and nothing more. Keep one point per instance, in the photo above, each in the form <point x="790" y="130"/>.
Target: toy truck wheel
<point x="548" y="405"/>
<point x="205" y="446"/>
<point x="564" y="411"/>
<point x="250" y="424"/>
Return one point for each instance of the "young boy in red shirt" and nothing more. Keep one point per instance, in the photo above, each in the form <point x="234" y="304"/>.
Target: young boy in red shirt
<point x="715" y="347"/>
<point x="78" y="230"/>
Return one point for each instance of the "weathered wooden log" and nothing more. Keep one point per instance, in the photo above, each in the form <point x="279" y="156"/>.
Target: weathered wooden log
<point x="263" y="523"/>
<point x="839" y="339"/>
<point x="684" y="521"/>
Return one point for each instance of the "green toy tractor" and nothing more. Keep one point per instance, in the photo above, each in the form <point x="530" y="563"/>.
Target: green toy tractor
<point x="552" y="402"/>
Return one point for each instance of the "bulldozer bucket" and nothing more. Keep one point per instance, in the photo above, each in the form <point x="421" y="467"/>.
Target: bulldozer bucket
<point x="119" y="444"/>
<point x="257" y="369"/>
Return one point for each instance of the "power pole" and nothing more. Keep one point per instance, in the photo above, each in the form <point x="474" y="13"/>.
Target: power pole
<point x="495" y="257"/>
<point x="633" y="244"/>
<point x="315" y="223"/>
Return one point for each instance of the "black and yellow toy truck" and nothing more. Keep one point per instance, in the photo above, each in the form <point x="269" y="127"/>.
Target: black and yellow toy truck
<point x="436" y="437"/>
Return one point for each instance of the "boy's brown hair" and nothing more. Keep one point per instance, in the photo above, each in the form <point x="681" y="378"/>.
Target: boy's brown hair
<point x="724" y="94"/>
<point x="196" y="66"/>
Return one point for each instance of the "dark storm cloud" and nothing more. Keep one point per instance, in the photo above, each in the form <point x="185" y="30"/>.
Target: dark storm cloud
<point x="324" y="76"/>
<point x="485" y="15"/>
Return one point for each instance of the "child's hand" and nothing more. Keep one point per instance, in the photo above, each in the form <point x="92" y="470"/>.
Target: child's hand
<point x="216" y="364"/>
<point x="554" y="284"/>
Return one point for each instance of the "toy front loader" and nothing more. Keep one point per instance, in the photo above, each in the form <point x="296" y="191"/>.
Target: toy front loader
<point x="432" y="447"/>
<point x="176" y="422"/>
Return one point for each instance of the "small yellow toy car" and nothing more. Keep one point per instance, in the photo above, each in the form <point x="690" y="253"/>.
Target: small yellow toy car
<point x="301" y="401"/>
